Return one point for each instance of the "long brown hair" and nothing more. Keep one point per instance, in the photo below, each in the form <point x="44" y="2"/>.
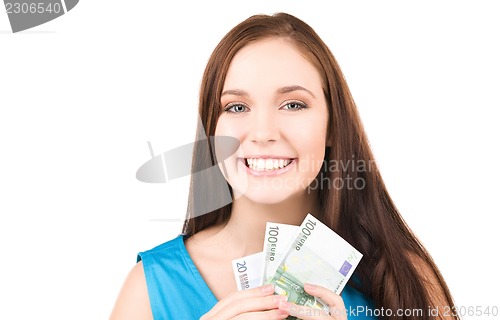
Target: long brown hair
<point x="365" y="216"/>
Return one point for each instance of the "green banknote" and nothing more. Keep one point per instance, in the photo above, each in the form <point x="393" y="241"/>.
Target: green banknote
<point x="276" y="244"/>
<point x="316" y="255"/>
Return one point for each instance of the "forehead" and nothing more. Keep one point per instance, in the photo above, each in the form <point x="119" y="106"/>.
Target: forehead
<point x="271" y="63"/>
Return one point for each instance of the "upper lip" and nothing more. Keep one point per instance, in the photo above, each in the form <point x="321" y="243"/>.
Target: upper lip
<point x="266" y="157"/>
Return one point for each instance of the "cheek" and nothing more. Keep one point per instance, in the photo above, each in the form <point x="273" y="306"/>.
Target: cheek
<point x="225" y="127"/>
<point x="310" y="141"/>
<point x="309" y="133"/>
<point x="229" y="128"/>
<point x="313" y="157"/>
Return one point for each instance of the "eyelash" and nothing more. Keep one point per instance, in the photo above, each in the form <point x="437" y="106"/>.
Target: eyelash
<point x="302" y="106"/>
<point x="232" y="105"/>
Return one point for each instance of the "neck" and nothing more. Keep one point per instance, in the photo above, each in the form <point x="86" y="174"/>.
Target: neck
<point x="247" y="224"/>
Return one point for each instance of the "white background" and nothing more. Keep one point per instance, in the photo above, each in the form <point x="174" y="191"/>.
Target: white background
<point x="80" y="97"/>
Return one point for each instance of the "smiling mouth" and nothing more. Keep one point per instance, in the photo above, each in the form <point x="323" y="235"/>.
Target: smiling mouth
<point x="269" y="164"/>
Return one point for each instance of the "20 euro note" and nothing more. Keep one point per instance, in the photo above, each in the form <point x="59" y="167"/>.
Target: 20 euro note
<point x="248" y="271"/>
<point x="276" y="243"/>
<point x="319" y="256"/>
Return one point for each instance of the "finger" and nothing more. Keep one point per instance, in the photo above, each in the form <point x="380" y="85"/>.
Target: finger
<point x="326" y="295"/>
<point x="263" y="315"/>
<point x="302" y="312"/>
<point x="333" y="300"/>
<point x="250" y="305"/>
<point x="261" y="291"/>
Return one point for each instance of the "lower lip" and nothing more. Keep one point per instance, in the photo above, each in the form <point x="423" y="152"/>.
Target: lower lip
<point x="267" y="173"/>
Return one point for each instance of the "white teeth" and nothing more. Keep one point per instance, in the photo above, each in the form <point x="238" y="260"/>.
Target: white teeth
<point x="260" y="164"/>
<point x="269" y="164"/>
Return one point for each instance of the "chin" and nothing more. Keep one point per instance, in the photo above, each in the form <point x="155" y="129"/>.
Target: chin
<point x="267" y="197"/>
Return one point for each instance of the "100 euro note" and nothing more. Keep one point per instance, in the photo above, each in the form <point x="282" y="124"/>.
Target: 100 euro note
<point x="248" y="271"/>
<point x="319" y="256"/>
<point x="276" y="243"/>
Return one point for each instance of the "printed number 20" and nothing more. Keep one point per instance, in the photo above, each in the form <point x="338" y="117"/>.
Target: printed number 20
<point x="241" y="267"/>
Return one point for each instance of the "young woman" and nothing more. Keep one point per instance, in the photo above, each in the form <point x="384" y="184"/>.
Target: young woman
<point x="275" y="86"/>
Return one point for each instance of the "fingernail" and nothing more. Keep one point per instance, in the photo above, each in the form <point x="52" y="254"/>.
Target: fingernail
<point x="268" y="288"/>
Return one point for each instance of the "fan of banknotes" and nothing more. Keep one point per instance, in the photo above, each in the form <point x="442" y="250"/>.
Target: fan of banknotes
<point x="294" y="255"/>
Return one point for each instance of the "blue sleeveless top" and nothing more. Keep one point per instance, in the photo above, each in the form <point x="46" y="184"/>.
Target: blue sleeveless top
<point x="177" y="291"/>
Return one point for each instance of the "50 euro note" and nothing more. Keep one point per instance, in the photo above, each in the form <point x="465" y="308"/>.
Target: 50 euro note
<point x="248" y="271"/>
<point x="276" y="243"/>
<point x="319" y="256"/>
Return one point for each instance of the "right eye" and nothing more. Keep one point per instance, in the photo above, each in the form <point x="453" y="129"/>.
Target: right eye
<point x="235" y="108"/>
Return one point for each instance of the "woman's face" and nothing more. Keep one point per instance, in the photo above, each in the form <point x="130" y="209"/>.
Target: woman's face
<point x="273" y="102"/>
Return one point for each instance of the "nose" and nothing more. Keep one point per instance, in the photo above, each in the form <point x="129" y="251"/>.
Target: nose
<point x="264" y="127"/>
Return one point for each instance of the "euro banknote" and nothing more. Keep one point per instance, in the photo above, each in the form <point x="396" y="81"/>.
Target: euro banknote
<point x="294" y="255"/>
<point x="316" y="255"/>
<point x="276" y="244"/>
<point x="248" y="271"/>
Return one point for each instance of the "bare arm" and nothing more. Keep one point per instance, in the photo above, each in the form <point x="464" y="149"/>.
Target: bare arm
<point x="133" y="300"/>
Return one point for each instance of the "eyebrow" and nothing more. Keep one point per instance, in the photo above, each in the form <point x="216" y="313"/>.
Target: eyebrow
<point x="295" y="88"/>
<point x="287" y="89"/>
<point x="235" y="93"/>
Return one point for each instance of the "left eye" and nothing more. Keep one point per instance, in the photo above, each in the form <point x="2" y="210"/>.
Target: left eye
<point x="236" y="108"/>
<point x="294" y="106"/>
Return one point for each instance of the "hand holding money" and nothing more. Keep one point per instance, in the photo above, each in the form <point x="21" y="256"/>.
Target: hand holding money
<point x="334" y="301"/>
<point x="255" y="303"/>
<point x="296" y="255"/>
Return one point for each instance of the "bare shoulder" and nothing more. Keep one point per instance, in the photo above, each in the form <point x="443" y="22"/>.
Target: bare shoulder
<point x="133" y="300"/>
